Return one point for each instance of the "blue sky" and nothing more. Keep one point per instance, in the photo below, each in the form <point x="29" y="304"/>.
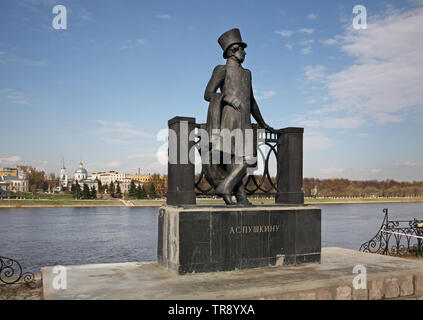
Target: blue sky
<point x="103" y="88"/>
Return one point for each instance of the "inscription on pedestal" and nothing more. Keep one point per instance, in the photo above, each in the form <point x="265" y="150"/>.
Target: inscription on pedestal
<point x="254" y="229"/>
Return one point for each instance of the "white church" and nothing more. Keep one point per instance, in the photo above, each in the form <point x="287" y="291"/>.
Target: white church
<point x="80" y="176"/>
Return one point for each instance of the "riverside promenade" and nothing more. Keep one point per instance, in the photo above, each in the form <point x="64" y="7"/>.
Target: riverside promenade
<point x="387" y="278"/>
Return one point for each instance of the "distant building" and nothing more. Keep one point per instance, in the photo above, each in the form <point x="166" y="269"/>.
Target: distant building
<point x="81" y="176"/>
<point x="80" y="173"/>
<point x="113" y="176"/>
<point x="15" y="182"/>
<point x="8" y="172"/>
<point x="63" y="178"/>
<point x="160" y="182"/>
<point x="106" y="178"/>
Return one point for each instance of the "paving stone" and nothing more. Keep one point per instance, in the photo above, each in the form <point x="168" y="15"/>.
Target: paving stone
<point x="343" y="293"/>
<point x="407" y="286"/>
<point x="392" y="289"/>
<point x="418" y="283"/>
<point x="376" y="289"/>
<point x="360" y="294"/>
<point x="324" y="294"/>
<point x="307" y="296"/>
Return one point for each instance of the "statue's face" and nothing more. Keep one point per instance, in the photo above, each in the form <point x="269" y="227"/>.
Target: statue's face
<point x="238" y="52"/>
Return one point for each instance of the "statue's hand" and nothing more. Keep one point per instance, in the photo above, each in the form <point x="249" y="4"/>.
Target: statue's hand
<point x="233" y="102"/>
<point x="236" y="104"/>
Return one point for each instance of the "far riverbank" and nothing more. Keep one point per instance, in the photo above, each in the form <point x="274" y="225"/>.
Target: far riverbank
<point x="157" y="203"/>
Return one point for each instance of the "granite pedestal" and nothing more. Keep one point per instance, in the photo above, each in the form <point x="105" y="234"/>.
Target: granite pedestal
<point x="220" y="238"/>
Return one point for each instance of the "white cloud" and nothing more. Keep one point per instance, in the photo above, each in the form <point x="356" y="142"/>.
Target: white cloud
<point x="129" y="44"/>
<point x="315" y="73"/>
<point x="12" y="159"/>
<point x="14" y="96"/>
<point x="312" y="16"/>
<point x="163" y="16"/>
<point x="150" y="160"/>
<point x="410" y="164"/>
<point x="284" y="33"/>
<point x="124" y="129"/>
<point x="361" y="135"/>
<point x="142" y="156"/>
<point x="29" y="62"/>
<point x="306" y="50"/>
<point x="315" y="140"/>
<point x="305" y="42"/>
<point x="289" y="46"/>
<point x="333" y="123"/>
<point x="384" y="82"/>
<point x="344" y="123"/>
<point x="34" y="5"/>
<point x="376" y="171"/>
<point x="306" y="30"/>
<point x="85" y="15"/>
<point x="9" y="57"/>
<point x="155" y="167"/>
<point x="117" y="141"/>
<point x="332" y="170"/>
<point x="114" y="164"/>
<point x="416" y="2"/>
<point x="265" y="94"/>
<point x="329" y="42"/>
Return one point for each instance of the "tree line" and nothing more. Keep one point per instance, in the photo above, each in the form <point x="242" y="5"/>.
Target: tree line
<point x="135" y="191"/>
<point x="38" y="181"/>
<point x="313" y="187"/>
<point x="142" y="192"/>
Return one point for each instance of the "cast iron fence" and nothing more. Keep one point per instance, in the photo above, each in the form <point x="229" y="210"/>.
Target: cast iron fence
<point x="11" y="272"/>
<point x="261" y="185"/>
<point x="396" y="237"/>
<point x="286" y="145"/>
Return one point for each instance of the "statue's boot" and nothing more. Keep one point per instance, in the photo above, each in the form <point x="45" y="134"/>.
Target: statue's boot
<point x="241" y="195"/>
<point x="226" y="187"/>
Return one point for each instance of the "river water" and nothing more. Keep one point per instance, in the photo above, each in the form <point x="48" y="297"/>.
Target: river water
<point x="38" y="237"/>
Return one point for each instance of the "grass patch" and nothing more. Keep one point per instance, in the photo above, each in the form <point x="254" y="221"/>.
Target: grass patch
<point x="65" y="201"/>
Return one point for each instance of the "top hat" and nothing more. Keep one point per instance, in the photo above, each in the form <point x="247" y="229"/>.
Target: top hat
<point x="229" y="38"/>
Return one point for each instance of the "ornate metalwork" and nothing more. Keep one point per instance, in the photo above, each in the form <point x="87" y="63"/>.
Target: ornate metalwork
<point x="11" y="272"/>
<point x="253" y="184"/>
<point x="396" y="237"/>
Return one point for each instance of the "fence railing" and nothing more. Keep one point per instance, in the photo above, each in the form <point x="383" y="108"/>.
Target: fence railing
<point x="263" y="184"/>
<point x="285" y="148"/>
<point x="11" y="272"/>
<point x="396" y="237"/>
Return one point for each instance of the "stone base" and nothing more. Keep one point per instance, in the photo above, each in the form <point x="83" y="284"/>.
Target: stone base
<point x="387" y="278"/>
<point x="220" y="238"/>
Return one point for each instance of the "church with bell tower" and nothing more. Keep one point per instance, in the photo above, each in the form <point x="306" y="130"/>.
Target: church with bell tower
<point x="63" y="176"/>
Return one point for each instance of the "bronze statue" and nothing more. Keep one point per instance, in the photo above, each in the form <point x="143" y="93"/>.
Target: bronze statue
<point x="231" y="109"/>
